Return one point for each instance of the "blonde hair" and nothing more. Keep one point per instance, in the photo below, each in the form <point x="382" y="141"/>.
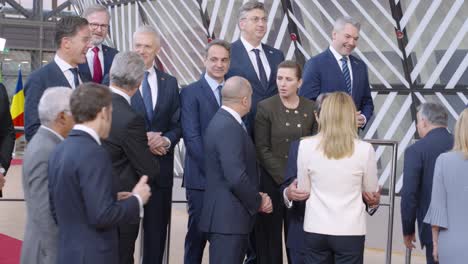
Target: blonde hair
<point x="337" y="126"/>
<point x="461" y="134"/>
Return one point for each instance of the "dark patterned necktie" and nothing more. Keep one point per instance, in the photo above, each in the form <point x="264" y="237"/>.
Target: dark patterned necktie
<point x="346" y="75"/>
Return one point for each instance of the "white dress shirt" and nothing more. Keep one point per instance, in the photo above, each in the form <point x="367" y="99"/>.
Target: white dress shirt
<point x="233" y="113"/>
<point x="253" y="58"/>
<point x="153" y="83"/>
<point x="335" y="206"/>
<point x="90" y="59"/>
<point x="338" y="60"/>
<point x="53" y="132"/>
<point x="65" y="68"/>
<point x="214" y="86"/>
<point x="121" y="93"/>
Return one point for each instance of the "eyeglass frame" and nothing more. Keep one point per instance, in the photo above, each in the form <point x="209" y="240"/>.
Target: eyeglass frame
<point x="101" y="26"/>
<point x="256" y="19"/>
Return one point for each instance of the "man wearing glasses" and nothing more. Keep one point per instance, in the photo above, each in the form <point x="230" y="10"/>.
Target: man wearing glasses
<point x="99" y="57"/>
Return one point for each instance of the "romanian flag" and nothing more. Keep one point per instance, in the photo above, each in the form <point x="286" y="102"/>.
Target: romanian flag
<point x="17" y="104"/>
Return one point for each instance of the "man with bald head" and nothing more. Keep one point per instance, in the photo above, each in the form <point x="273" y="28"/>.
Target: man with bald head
<point x="231" y="199"/>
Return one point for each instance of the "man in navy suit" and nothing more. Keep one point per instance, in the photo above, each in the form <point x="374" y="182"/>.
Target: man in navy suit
<point x="336" y="69"/>
<point x="83" y="199"/>
<point x="72" y="38"/>
<point x="231" y="199"/>
<point x="418" y="172"/>
<point x="256" y="62"/>
<point x="199" y="103"/>
<point x="158" y="102"/>
<point x="99" y="56"/>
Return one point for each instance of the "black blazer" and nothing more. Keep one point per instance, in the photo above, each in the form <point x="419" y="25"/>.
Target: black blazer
<point x="38" y="81"/>
<point x="7" y="130"/>
<point x="231" y="198"/>
<point x="108" y="54"/>
<point x="166" y="119"/>
<point x="127" y="145"/>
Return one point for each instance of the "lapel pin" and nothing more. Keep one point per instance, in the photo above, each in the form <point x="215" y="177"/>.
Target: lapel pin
<point x="271" y="52"/>
<point x="162" y="79"/>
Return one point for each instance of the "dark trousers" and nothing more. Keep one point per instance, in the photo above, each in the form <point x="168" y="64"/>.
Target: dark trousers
<point x="128" y="234"/>
<point x="157" y="212"/>
<point x="429" y="257"/>
<point x="227" y="249"/>
<point x="296" y="256"/>
<point x="323" y="249"/>
<point x="269" y="227"/>
<point x="195" y="240"/>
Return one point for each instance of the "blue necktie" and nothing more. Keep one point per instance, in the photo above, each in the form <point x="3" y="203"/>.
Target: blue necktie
<point x="76" y="80"/>
<point x="147" y="97"/>
<point x="261" y="70"/>
<point x="220" y="97"/>
<point x="346" y="75"/>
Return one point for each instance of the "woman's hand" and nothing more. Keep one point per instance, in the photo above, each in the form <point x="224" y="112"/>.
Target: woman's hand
<point x="435" y="252"/>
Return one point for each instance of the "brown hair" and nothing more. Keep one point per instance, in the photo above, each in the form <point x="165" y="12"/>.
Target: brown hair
<point x="88" y="100"/>
<point x="461" y="134"/>
<point x="68" y="27"/>
<point x="290" y="64"/>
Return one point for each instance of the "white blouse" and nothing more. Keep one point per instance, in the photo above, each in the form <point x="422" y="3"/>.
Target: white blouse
<point x="335" y="205"/>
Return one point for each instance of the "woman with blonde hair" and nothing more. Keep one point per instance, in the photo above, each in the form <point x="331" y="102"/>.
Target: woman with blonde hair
<point x="336" y="168"/>
<point x="447" y="213"/>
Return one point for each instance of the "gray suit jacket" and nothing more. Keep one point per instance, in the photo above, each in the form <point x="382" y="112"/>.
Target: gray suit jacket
<point x="41" y="233"/>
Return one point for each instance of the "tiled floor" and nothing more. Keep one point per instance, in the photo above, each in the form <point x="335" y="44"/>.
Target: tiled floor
<point x="12" y="218"/>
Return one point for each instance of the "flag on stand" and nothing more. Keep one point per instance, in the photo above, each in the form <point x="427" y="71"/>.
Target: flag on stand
<point x="17" y="104"/>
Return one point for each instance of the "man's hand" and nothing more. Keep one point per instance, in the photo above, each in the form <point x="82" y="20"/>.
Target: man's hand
<point x="2" y="181"/>
<point x="123" y="195"/>
<point x="360" y="119"/>
<point x="372" y="199"/>
<point x="266" y="206"/>
<point x="160" y="151"/>
<point x="294" y="194"/>
<point x="409" y="239"/>
<point x="142" y="189"/>
<point x="157" y="143"/>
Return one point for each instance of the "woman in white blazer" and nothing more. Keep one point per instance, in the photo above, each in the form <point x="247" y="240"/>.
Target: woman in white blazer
<point x="336" y="168"/>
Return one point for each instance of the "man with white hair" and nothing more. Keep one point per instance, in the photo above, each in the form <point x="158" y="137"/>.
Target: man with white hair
<point x="41" y="232"/>
<point x="99" y="56"/>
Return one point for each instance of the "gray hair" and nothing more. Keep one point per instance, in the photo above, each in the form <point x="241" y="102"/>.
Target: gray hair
<point x="148" y="29"/>
<point x="54" y="101"/>
<point x="434" y="113"/>
<point x="249" y="6"/>
<point x="94" y="9"/>
<point x="342" y="21"/>
<point x="218" y="42"/>
<point x="127" y="70"/>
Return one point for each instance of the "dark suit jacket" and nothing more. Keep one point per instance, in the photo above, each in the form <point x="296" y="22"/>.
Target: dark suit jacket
<point x="108" y="54"/>
<point x="231" y="198"/>
<point x="322" y="74"/>
<point x="198" y="105"/>
<point x="166" y="119"/>
<point x="7" y="130"/>
<point x="418" y="172"/>
<point x="38" y="81"/>
<point x="84" y="203"/>
<point x="242" y="66"/>
<point x="127" y="145"/>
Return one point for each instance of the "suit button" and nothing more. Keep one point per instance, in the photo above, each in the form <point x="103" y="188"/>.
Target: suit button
<point x="287" y="123"/>
<point x="296" y="112"/>
<point x="287" y="111"/>
<point x="287" y="140"/>
<point x="285" y="156"/>
<point x="298" y="125"/>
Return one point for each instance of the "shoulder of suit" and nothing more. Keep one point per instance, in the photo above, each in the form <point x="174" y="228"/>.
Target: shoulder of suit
<point x="164" y="75"/>
<point x="270" y="49"/>
<point x="191" y="87"/>
<point x="110" y="48"/>
<point x="355" y="60"/>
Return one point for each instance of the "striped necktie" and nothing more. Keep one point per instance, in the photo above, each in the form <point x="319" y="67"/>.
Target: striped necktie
<point x="346" y="75"/>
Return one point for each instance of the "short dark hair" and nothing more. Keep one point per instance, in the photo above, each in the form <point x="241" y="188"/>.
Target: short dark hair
<point x="290" y="64"/>
<point x="88" y="100"/>
<point x="68" y="27"/>
<point x="218" y="42"/>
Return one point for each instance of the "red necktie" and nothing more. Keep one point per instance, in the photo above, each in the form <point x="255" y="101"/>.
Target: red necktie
<point x="97" y="70"/>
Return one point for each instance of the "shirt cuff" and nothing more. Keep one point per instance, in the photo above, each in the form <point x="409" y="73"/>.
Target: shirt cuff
<point x="288" y="203"/>
<point x="168" y="141"/>
<point x="365" y="120"/>
<point x="140" y="203"/>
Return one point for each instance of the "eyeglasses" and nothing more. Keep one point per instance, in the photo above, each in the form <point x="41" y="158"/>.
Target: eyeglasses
<point x="95" y="26"/>
<point x="257" y="19"/>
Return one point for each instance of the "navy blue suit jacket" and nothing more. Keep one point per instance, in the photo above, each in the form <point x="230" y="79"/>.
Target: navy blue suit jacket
<point x="198" y="106"/>
<point x="322" y="74"/>
<point x="108" y="54"/>
<point x="38" y="81"/>
<point x="231" y="198"/>
<point x="84" y="201"/>
<point x="242" y="66"/>
<point x="166" y="119"/>
<point x="418" y="172"/>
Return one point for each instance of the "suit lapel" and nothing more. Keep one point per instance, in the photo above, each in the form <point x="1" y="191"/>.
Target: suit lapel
<point x="355" y="68"/>
<point x="337" y="68"/>
<point x="85" y="72"/>
<point x="245" y="60"/>
<point x="107" y="59"/>
<point x="208" y="93"/>
<point x="272" y="64"/>
<point x="161" y="92"/>
<point x="57" y="72"/>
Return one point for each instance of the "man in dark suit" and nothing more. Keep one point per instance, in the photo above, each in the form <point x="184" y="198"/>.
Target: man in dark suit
<point x="7" y="135"/>
<point x="336" y="69"/>
<point x="418" y="172"/>
<point x="253" y="60"/>
<point x="127" y="143"/>
<point x="99" y="56"/>
<point x="82" y="188"/>
<point x="158" y="102"/>
<point x="199" y="103"/>
<point x="72" y="38"/>
<point x="231" y="198"/>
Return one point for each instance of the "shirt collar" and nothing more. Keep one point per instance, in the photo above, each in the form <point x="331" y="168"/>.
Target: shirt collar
<point x="212" y="82"/>
<point x="249" y="47"/>
<point x="121" y="93"/>
<point x="52" y="131"/>
<point x="63" y="65"/>
<point x="233" y="113"/>
<point x="89" y="131"/>
<point x="337" y="55"/>
<point x="91" y="49"/>
<point x="151" y="70"/>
